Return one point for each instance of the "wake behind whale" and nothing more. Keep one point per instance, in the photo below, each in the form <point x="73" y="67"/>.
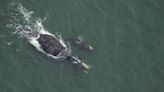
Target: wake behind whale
<point x="25" y="26"/>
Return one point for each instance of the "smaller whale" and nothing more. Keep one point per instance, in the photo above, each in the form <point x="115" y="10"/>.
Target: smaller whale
<point x="81" y="43"/>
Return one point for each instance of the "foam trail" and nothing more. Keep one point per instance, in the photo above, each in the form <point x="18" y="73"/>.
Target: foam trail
<point x="26" y="26"/>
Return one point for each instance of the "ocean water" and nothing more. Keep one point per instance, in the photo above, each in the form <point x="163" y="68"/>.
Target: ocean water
<point x="127" y="37"/>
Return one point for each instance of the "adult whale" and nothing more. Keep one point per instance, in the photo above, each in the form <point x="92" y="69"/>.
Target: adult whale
<point x="54" y="47"/>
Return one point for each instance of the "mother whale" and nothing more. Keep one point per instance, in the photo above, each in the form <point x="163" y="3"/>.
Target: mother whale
<point x="54" y="47"/>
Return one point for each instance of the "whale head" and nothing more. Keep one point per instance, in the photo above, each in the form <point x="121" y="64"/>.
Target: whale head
<point x="75" y="61"/>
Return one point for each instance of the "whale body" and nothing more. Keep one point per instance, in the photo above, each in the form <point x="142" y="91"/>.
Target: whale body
<point x="50" y="45"/>
<point x="55" y="47"/>
<point x="81" y="43"/>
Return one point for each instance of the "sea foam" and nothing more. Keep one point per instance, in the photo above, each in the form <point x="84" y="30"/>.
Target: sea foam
<point x="24" y="24"/>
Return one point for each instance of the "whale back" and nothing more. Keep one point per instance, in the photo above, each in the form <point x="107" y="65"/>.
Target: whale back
<point x="50" y="44"/>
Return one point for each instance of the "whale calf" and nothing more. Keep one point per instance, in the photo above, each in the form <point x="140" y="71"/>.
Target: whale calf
<point x="81" y="43"/>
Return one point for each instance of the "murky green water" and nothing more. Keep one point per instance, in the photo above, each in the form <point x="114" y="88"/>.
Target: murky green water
<point x="128" y="41"/>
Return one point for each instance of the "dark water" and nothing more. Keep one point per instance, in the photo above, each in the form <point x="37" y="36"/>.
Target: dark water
<point x="128" y="41"/>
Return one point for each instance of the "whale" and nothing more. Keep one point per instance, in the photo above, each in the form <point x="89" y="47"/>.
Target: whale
<point x="56" y="48"/>
<point x="81" y="43"/>
<point x="32" y="29"/>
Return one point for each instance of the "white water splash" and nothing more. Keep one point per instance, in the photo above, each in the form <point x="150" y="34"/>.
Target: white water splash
<point x="25" y="26"/>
